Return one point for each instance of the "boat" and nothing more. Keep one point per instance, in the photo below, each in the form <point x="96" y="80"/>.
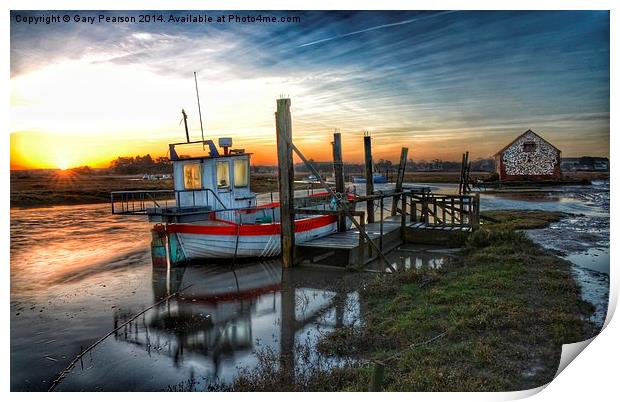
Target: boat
<point x="212" y="212"/>
<point x="376" y="178"/>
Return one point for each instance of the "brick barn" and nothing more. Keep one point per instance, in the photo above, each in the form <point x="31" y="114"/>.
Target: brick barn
<point x="528" y="157"/>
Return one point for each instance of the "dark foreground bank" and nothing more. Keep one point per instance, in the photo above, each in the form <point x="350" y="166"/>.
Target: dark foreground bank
<point x="493" y="318"/>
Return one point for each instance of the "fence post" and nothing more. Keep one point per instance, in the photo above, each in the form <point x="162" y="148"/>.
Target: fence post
<point x="339" y="175"/>
<point x="370" y="205"/>
<point x="443" y="211"/>
<point x="476" y="224"/>
<point x="381" y="222"/>
<point x="361" y="243"/>
<point x="403" y="215"/>
<point x="377" y="376"/>
<point x="399" y="182"/>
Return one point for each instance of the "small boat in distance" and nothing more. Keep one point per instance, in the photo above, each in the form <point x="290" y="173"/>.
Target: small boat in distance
<point x="212" y="212"/>
<point x="376" y="178"/>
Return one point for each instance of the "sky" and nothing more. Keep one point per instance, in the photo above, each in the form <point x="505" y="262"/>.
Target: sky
<point x="438" y="82"/>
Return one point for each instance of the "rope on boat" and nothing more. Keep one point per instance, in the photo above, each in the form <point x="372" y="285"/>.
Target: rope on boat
<point x="77" y="358"/>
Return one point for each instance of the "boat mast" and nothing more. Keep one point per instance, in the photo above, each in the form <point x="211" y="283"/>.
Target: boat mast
<point x="199" y="112"/>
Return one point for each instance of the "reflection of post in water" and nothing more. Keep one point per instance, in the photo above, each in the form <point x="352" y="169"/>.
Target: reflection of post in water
<point x="340" y="304"/>
<point x="287" y="324"/>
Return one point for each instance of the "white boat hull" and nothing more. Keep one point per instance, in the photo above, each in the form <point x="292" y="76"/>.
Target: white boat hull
<point x="259" y="241"/>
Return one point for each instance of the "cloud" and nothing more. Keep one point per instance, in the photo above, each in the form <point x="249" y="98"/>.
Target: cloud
<point x="374" y="28"/>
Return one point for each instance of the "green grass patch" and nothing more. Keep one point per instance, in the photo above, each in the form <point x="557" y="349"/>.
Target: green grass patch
<point x="520" y="219"/>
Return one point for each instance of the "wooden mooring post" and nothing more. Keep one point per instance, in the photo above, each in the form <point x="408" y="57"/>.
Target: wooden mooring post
<point x="284" y="137"/>
<point x="464" y="186"/>
<point x="370" y="188"/>
<point x="399" y="182"/>
<point x="339" y="176"/>
<point x="378" y="372"/>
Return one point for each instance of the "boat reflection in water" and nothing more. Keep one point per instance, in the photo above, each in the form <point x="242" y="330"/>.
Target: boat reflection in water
<point x="220" y="320"/>
<point x="213" y="313"/>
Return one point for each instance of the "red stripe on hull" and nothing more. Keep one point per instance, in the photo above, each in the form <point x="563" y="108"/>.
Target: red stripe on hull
<point x="266" y="229"/>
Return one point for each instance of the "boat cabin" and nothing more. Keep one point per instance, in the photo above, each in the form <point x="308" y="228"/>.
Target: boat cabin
<point x="217" y="180"/>
<point x="209" y="185"/>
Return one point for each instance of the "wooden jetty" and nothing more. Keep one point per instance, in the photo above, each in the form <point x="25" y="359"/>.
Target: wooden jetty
<point x="415" y="215"/>
<point x="421" y="218"/>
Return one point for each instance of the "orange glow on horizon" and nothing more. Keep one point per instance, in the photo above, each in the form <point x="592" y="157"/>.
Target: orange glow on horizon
<point x="40" y="151"/>
<point x="77" y="113"/>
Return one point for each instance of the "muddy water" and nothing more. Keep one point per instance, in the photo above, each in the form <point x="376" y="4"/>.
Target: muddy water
<point x="582" y="238"/>
<point x="220" y="318"/>
<point x="77" y="272"/>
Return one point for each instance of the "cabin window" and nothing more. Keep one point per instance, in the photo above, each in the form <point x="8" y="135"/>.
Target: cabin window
<point x="223" y="174"/>
<point x="241" y="172"/>
<point x="191" y="176"/>
<point x="529" y="147"/>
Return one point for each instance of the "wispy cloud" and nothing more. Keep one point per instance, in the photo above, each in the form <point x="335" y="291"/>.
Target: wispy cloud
<point x="377" y="27"/>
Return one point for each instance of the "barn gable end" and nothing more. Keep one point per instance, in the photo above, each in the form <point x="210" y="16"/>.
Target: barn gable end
<point x="528" y="157"/>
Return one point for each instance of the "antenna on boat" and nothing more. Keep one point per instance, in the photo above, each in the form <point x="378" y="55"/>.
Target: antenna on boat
<point x="199" y="112"/>
<point x="185" y="121"/>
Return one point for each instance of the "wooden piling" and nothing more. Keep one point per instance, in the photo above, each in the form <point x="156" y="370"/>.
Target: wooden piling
<point x="462" y="174"/>
<point x="339" y="176"/>
<point x="399" y="182"/>
<point x="381" y="222"/>
<point x="464" y="187"/>
<point x="361" y="243"/>
<point x="378" y="372"/>
<point x="370" y="205"/>
<point x="403" y="215"/>
<point x="284" y="136"/>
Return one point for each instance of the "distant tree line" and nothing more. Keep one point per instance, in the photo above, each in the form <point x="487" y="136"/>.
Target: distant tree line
<point x="438" y="165"/>
<point x="384" y="166"/>
<point x="141" y="164"/>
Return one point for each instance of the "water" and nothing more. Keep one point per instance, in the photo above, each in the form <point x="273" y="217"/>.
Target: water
<point x="77" y="272"/>
<point x="216" y="324"/>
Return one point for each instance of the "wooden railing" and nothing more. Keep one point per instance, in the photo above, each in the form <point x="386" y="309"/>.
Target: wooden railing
<point x="140" y="201"/>
<point x="144" y="202"/>
<point x="444" y="209"/>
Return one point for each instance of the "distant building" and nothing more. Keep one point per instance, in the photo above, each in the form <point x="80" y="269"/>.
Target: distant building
<point x="585" y="164"/>
<point x="528" y="157"/>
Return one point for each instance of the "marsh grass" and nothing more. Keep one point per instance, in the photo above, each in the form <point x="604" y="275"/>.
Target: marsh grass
<point x="68" y="188"/>
<point x="499" y="220"/>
